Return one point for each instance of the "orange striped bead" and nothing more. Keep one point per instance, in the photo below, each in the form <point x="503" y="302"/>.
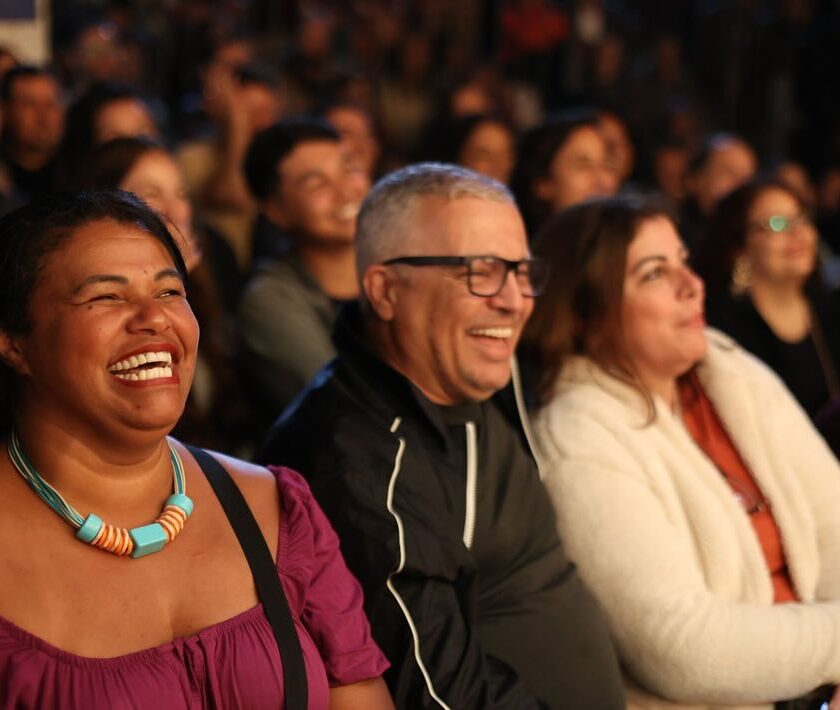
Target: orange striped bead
<point x="172" y="521"/>
<point x="114" y="539"/>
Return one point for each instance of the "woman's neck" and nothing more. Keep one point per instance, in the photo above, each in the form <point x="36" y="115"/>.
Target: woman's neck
<point x="124" y="482"/>
<point x="784" y="308"/>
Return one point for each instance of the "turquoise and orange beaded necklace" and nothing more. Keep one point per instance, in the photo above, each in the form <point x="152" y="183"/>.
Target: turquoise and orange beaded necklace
<point x="143" y="540"/>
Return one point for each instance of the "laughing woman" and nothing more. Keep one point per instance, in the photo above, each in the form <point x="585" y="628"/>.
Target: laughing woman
<point x="695" y="496"/>
<point x="156" y="606"/>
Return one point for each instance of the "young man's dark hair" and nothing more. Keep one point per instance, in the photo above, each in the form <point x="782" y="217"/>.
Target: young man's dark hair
<point x="273" y="144"/>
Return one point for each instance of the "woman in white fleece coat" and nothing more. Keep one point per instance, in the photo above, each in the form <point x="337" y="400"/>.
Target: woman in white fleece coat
<point x="654" y="525"/>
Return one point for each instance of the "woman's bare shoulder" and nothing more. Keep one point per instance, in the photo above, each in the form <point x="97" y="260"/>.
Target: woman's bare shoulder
<point x="259" y="488"/>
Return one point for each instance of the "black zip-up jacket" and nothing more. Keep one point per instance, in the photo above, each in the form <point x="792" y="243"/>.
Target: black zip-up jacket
<point x="466" y="584"/>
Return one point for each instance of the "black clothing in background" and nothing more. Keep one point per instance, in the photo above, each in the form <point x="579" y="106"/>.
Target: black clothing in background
<point x="798" y="364"/>
<point x="28" y="183"/>
<point x="498" y="618"/>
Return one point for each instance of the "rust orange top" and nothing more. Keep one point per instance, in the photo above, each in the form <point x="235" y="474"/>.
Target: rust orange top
<point x="708" y="432"/>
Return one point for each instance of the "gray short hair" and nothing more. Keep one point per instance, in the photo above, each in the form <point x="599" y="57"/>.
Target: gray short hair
<point x="379" y="232"/>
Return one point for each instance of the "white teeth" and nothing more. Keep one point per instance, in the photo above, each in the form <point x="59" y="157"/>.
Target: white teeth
<point x="493" y="332"/>
<point x="129" y="363"/>
<point x="154" y="373"/>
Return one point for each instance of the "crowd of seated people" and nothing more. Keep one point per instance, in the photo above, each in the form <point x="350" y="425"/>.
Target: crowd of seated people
<point x="524" y="356"/>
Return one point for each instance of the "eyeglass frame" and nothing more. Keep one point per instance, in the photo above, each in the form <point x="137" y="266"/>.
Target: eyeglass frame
<point x="783" y="224"/>
<point x="510" y="265"/>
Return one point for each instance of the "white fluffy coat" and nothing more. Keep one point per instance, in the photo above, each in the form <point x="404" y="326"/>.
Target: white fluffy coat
<point x="672" y="556"/>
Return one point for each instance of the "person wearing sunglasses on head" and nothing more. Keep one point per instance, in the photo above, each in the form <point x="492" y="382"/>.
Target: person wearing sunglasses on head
<point x="436" y="496"/>
<point x="762" y="273"/>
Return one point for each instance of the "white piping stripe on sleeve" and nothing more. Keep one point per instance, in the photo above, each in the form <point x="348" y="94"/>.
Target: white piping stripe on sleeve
<point x="523" y="411"/>
<point x="401" y="534"/>
<point x="472" y="481"/>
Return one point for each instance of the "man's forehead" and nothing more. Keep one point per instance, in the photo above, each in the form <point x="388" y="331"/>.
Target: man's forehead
<point x="466" y="225"/>
<point x="39" y="83"/>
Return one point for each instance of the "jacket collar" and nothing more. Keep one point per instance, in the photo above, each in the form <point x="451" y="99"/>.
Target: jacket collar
<point x="394" y="395"/>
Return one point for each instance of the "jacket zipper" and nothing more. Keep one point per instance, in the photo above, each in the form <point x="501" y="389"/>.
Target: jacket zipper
<point x="472" y="483"/>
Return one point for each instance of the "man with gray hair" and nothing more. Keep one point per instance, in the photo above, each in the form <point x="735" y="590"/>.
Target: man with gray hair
<point x="414" y="445"/>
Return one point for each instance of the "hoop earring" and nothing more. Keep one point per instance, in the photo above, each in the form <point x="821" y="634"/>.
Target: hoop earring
<point x="742" y="275"/>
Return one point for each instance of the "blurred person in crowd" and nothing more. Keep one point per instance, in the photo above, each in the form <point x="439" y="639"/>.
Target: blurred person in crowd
<point x="98" y="348"/>
<point x="355" y="126"/>
<point x="561" y="162"/>
<point x="33" y="124"/>
<point x="693" y="493"/>
<point x="828" y="206"/>
<point x="8" y="60"/>
<point x="795" y="176"/>
<point x="413" y="443"/>
<point x="723" y="163"/>
<point x="760" y="262"/>
<point x="308" y="190"/>
<point x="480" y="92"/>
<point x="670" y="165"/>
<point x="240" y="101"/>
<point x="310" y="70"/>
<point x="532" y="36"/>
<point x="97" y="53"/>
<point x="621" y="152"/>
<point x="105" y="111"/>
<point x="215" y="415"/>
<point x="481" y="142"/>
<point x="405" y="105"/>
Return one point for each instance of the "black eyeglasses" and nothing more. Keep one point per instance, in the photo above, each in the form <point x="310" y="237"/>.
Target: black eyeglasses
<point x="486" y="274"/>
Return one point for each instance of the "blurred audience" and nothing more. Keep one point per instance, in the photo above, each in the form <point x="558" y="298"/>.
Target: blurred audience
<point x="760" y="262"/>
<point x="621" y="151"/>
<point x="724" y="162"/>
<point x="485" y="143"/>
<point x="560" y="163"/>
<point x="240" y="101"/>
<point x="359" y="139"/>
<point x="308" y="190"/>
<point x="105" y="111"/>
<point x="33" y="123"/>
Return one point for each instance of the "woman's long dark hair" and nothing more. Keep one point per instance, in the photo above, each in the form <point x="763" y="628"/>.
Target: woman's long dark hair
<point x="579" y="313"/>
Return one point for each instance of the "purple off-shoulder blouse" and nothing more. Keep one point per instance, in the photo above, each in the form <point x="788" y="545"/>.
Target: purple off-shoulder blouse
<point x="234" y="664"/>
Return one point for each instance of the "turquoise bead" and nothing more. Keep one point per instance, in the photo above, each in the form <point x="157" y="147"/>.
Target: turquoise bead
<point x="182" y="501"/>
<point x="147" y="539"/>
<point x="90" y="528"/>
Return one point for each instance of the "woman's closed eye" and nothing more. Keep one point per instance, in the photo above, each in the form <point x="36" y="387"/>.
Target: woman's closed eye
<point x="103" y="297"/>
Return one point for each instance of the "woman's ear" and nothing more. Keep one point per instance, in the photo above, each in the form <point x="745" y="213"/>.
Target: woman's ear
<point x="11" y="353"/>
<point x="379" y="287"/>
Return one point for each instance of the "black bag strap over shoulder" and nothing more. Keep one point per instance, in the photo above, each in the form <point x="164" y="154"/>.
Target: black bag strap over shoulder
<point x="264" y="569"/>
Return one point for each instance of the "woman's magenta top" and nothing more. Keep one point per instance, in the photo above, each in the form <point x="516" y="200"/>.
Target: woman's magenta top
<point x="234" y="664"/>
